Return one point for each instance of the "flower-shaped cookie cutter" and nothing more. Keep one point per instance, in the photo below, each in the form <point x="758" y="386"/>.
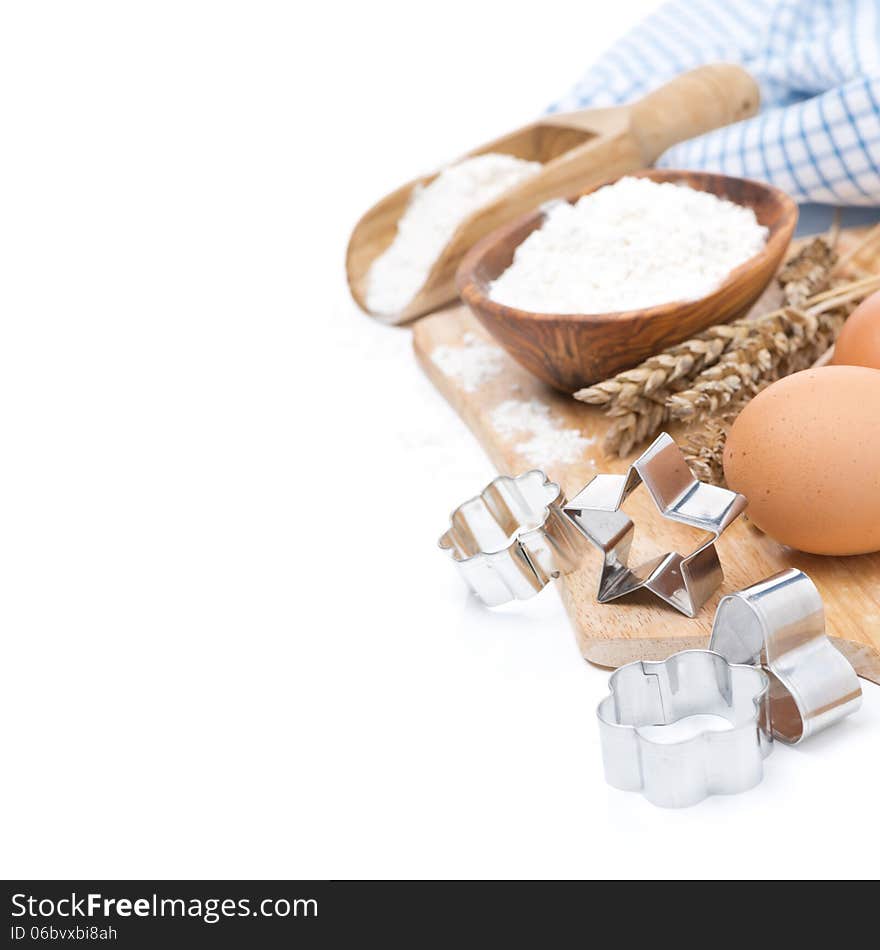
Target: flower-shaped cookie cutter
<point x="779" y="624"/>
<point x="675" y="774"/>
<point x="512" y="538"/>
<point x="685" y="582"/>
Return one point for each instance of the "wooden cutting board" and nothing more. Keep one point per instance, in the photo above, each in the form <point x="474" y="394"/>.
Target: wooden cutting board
<point x="640" y="627"/>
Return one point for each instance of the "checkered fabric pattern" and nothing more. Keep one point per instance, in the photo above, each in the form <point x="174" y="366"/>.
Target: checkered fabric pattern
<point x="818" y="64"/>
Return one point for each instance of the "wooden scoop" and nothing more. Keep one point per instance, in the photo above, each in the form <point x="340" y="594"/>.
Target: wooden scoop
<point x="577" y="149"/>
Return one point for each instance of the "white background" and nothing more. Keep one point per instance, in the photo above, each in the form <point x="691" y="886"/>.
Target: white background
<point x="230" y="647"/>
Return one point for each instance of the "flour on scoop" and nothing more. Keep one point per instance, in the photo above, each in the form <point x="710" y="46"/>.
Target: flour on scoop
<point x="432" y="217"/>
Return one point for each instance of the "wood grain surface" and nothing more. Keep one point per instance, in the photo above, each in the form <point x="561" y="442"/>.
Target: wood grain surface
<point x="641" y="627"/>
<point x="577" y="150"/>
<point x="570" y="351"/>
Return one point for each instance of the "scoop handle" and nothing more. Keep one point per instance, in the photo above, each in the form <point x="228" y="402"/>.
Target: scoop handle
<point x="692" y="104"/>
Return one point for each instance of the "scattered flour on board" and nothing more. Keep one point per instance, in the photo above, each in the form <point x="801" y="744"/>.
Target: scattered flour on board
<point x="471" y="364"/>
<point x="519" y="415"/>
<point x="431" y="218"/>
<point x="549" y="441"/>
<point x="634" y="244"/>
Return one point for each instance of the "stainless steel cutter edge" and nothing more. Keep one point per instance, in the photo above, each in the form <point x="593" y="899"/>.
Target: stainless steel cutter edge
<point x="689" y="683"/>
<point x="547" y="537"/>
<point x="779" y="623"/>
<point x="684" y="582"/>
<point x="538" y="542"/>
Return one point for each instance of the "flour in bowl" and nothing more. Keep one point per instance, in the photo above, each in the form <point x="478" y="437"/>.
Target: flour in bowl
<point x="628" y="246"/>
<point x="434" y="213"/>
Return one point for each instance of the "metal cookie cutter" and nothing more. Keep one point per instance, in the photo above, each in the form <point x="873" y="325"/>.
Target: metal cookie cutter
<point x="512" y="538"/>
<point x="779" y="623"/>
<point x="685" y="582"/>
<point x="519" y="532"/>
<point x="648" y="694"/>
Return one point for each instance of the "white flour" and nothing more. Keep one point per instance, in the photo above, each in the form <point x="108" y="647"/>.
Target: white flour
<point x="430" y="220"/>
<point x="471" y="364"/>
<point x="630" y="245"/>
<point x="518" y="415"/>
<point x="549" y="441"/>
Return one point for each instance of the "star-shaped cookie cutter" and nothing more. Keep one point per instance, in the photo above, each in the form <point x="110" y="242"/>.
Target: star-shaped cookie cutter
<point x="683" y="581"/>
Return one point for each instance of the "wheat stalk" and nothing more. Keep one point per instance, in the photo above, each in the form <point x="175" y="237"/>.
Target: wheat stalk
<point x="704" y="447"/>
<point x="683" y="361"/>
<point x="728" y="363"/>
<point x="868" y="241"/>
<point x="783" y="343"/>
<point x="704" y="450"/>
<point x="658" y="373"/>
<point x="851" y="292"/>
<point x="775" y="345"/>
<point x="717" y="372"/>
<point x="759" y="358"/>
<point x="808" y="271"/>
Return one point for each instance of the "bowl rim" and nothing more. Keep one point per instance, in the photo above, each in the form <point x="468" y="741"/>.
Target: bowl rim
<point x="471" y="290"/>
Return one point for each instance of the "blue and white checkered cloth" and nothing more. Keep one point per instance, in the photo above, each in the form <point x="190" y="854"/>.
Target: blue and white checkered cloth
<point x="818" y="65"/>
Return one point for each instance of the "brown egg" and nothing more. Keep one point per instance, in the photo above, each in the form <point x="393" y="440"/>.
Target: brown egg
<point x="859" y="340"/>
<point x="806" y="454"/>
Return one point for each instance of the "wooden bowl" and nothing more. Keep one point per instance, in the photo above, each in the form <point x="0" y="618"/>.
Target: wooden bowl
<point x="570" y="351"/>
